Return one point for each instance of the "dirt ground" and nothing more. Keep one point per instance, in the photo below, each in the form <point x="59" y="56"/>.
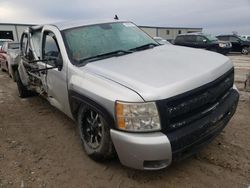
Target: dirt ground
<point x="39" y="147"/>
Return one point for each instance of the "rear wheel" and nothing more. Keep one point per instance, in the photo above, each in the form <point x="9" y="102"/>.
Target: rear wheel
<point x="7" y="67"/>
<point x="245" y="50"/>
<point x="2" y="68"/>
<point x="22" y="90"/>
<point x="95" y="134"/>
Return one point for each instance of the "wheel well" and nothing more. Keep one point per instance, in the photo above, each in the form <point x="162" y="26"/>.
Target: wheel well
<point x="77" y="100"/>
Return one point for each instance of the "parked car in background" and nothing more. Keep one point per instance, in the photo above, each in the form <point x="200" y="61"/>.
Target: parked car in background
<point x="246" y="37"/>
<point x="4" y="40"/>
<point x="8" y="54"/>
<point x="204" y="41"/>
<point x="239" y="44"/>
<point x="161" y="40"/>
<point x="151" y="104"/>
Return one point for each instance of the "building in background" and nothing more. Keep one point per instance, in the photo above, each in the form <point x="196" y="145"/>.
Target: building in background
<point x="12" y="31"/>
<point x="168" y="33"/>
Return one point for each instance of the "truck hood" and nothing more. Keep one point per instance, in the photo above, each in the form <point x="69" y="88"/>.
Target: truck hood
<point x="163" y="71"/>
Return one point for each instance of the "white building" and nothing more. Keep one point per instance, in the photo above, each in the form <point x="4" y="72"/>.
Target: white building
<point x="168" y="33"/>
<point x="12" y="31"/>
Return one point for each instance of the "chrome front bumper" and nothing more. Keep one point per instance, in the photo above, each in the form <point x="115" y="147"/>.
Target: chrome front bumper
<point x="145" y="151"/>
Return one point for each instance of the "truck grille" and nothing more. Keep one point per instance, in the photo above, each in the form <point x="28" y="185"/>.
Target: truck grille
<point x="182" y="110"/>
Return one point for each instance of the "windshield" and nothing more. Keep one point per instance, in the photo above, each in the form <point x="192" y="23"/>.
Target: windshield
<point x="211" y="37"/>
<point x="242" y="38"/>
<point x="94" y="40"/>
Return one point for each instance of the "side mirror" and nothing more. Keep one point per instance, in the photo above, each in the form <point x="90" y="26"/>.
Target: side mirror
<point x="204" y="40"/>
<point x="59" y="62"/>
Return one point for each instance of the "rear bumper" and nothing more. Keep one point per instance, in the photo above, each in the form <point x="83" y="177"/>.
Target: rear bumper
<point x="153" y="151"/>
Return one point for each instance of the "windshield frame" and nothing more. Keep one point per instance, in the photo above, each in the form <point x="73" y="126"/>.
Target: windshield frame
<point x="70" y="56"/>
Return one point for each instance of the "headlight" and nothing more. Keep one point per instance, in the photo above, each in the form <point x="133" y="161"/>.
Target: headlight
<point x="137" y="116"/>
<point x="222" y="45"/>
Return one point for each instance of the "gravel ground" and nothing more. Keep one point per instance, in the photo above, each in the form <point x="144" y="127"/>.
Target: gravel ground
<point x="39" y="147"/>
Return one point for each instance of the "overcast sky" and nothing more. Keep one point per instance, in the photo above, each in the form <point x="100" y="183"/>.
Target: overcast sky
<point x="214" y="16"/>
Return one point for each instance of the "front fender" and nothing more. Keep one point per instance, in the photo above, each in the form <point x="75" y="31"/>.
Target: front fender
<point x="95" y="90"/>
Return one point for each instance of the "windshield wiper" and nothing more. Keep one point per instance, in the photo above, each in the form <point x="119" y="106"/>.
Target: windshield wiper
<point x="105" y="55"/>
<point x="145" y="46"/>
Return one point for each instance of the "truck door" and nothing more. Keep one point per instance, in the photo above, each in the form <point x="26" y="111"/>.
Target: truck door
<point x="201" y="42"/>
<point x="236" y="45"/>
<point x="56" y="79"/>
<point x="191" y="41"/>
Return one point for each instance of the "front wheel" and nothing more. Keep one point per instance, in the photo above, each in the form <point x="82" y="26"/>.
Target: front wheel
<point x="95" y="134"/>
<point x="245" y="50"/>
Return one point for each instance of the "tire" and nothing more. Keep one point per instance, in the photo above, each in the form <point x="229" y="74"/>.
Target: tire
<point x="7" y="67"/>
<point x="95" y="134"/>
<point x="22" y="90"/>
<point x="245" y="50"/>
<point x="5" y="70"/>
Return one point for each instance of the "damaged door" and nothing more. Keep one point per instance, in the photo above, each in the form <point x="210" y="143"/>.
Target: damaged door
<point x="56" y="78"/>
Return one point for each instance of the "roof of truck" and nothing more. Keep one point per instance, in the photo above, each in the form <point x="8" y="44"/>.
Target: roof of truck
<point x="77" y="23"/>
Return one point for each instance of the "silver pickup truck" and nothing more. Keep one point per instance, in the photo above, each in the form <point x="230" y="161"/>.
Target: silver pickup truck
<point x="151" y="104"/>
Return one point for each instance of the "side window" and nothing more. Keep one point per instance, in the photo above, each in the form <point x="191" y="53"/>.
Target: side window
<point x="200" y="39"/>
<point x="190" y="38"/>
<point x="50" y="47"/>
<point x="234" y="39"/>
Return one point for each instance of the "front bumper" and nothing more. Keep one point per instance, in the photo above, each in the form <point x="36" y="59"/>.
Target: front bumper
<point x="153" y="151"/>
<point x="148" y="151"/>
